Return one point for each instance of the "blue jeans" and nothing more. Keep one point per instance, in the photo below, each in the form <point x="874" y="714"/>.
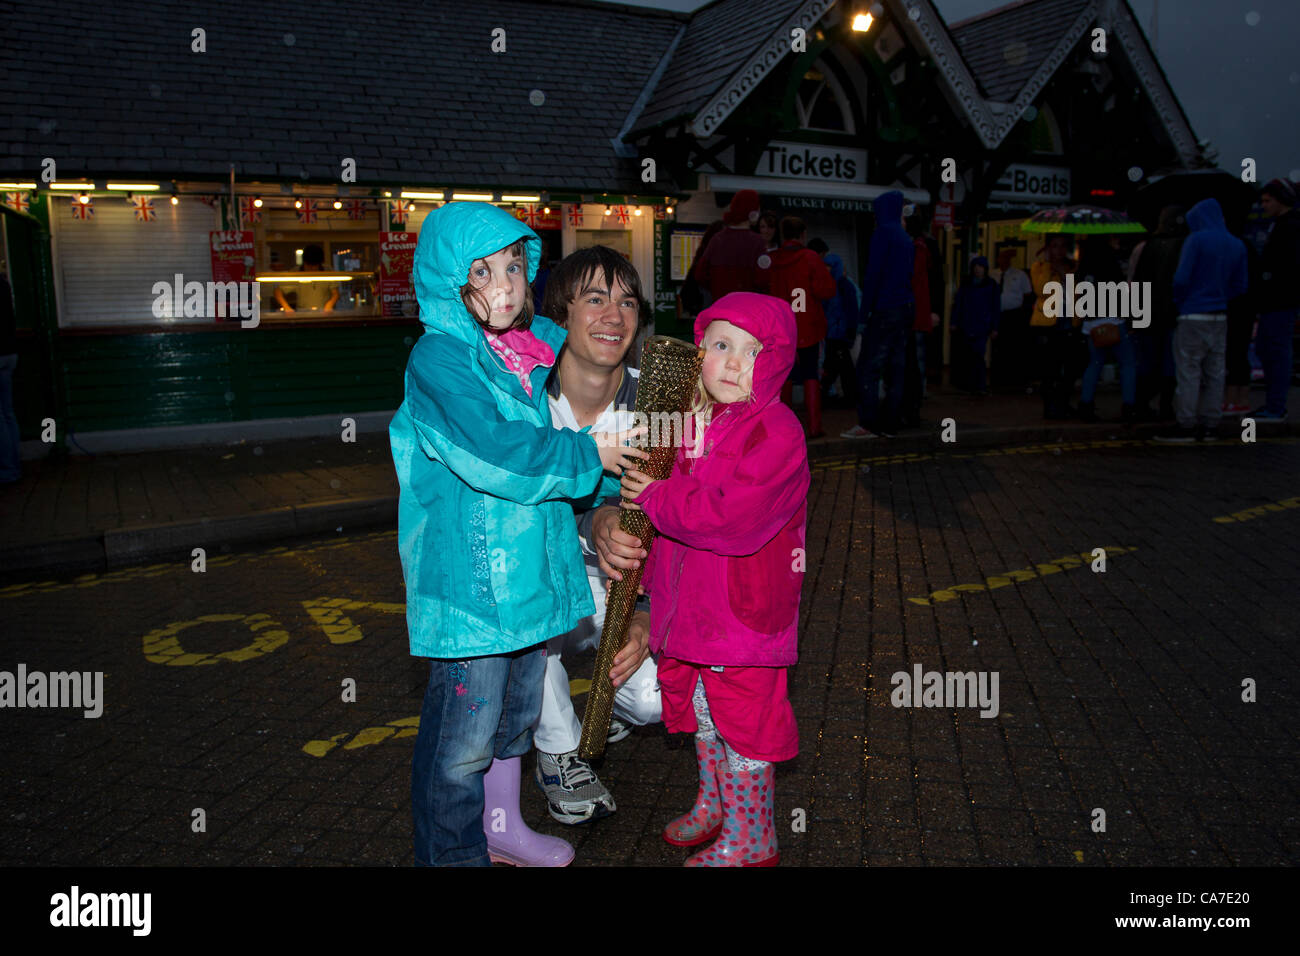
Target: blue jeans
<point x="10" y="466"/>
<point x="1273" y="346"/>
<point x="1125" y="354"/>
<point x="884" y="348"/>
<point x="473" y="711"/>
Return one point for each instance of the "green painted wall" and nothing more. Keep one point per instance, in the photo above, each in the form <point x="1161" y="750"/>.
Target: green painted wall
<point x="148" y="379"/>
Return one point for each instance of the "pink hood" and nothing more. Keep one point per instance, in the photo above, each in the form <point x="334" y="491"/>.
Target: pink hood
<point x="726" y="572"/>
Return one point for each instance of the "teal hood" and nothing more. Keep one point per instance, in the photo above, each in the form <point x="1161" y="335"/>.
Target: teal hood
<point x="451" y="238"/>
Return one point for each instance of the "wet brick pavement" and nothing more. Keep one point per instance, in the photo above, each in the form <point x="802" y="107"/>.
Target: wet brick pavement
<point x="1120" y="691"/>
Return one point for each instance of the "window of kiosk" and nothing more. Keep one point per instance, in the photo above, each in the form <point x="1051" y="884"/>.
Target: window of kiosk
<point x="620" y="240"/>
<point x="347" y="251"/>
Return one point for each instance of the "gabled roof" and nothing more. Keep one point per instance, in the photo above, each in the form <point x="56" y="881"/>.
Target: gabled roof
<point x="293" y="86"/>
<point x="1006" y="46"/>
<point x="720" y="38"/>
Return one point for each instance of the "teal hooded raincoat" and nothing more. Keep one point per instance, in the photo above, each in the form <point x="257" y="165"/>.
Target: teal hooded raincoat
<point x="486" y="534"/>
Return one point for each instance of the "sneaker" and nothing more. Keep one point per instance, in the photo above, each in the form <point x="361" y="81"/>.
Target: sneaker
<point x="1205" y="434"/>
<point x="618" y="730"/>
<point x="574" y="794"/>
<point x="857" y="431"/>
<point x="1234" y="410"/>
<point x="1181" y="435"/>
<point x="1264" y="415"/>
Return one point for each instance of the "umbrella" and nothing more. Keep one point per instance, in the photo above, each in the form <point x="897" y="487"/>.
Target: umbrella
<point x="1081" y="220"/>
<point x="1187" y="187"/>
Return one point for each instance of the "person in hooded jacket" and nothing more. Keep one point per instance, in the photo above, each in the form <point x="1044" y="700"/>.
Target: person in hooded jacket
<point x="1155" y="260"/>
<point x="724" y="612"/>
<point x="1279" y="295"/>
<point x="841" y="327"/>
<point x="799" y="276"/>
<point x="976" y="309"/>
<point x="886" y="318"/>
<point x="1212" y="270"/>
<point x="488" y="542"/>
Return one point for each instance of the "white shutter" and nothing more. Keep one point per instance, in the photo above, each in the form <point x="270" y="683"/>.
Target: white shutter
<point x="107" y="266"/>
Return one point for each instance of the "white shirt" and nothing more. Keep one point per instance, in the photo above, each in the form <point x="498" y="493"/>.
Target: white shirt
<point x="1015" y="286"/>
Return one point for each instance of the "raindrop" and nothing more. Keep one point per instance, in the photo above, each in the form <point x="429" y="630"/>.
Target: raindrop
<point x="47" y="126"/>
<point x="335" y="483"/>
<point x="765" y="261"/>
<point x="229" y="396"/>
<point x="1252" y="19"/>
<point x="155" y="90"/>
<point x="289" y="39"/>
<point x="1135" y="173"/>
<point x="914" y="13"/>
<point x="257" y="450"/>
<point x="536" y="97"/>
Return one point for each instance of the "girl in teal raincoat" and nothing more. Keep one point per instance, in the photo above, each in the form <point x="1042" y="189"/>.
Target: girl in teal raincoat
<point x="486" y="534"/>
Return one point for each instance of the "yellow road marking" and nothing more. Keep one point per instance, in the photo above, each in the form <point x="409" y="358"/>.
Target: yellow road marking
<point x="1070" y="561"/>
<point x="368" y="737"/>
<point x="1259" y="511"/>
<point x="182" y="563"/>
<point x="163" y="646"/>
<point x="338" y="627"/>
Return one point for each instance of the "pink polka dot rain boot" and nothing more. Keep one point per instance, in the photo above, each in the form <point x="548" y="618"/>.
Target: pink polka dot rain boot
<point x="748" y="835"/>
<point x="703" y="821"/>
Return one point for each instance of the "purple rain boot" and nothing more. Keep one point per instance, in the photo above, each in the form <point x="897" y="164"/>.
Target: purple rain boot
<point x="509" y="839"/>
<point x="703" y="821"/>
<point x="748" y="829"/>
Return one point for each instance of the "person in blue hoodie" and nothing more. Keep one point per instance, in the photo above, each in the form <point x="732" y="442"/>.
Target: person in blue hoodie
<point x="487" y="539"/>
<point x="841" y="326"/>
<point x="976" y="310"/>
<point x="886" y="317"/>
<point x="1211" y="270"/>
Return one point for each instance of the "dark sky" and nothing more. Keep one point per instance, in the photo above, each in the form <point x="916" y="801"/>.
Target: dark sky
<point x="1232" y="64"/>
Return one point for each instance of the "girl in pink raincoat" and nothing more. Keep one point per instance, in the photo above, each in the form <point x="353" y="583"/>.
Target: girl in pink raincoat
<point x="725" y="574"/>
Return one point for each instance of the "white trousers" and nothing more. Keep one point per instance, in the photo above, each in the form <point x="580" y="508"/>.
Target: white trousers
<point x="558" y="729"/>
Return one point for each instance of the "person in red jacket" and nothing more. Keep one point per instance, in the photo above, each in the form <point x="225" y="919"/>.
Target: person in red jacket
<point x="799" y="276"/>
<point x="729" y="262"/>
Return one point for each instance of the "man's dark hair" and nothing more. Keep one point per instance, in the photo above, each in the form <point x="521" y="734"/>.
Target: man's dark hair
<point x="588" y="265"/>
<point x="313" y="255"/>
<point x="792" y="227"/>
<point x="818" y="245"/>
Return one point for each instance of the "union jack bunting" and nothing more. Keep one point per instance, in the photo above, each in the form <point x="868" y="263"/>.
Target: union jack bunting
<point x="529" y="214"/>
<point x="575" y="215"/>
<point x="144" y="211"/>
<point x="397" y="211"/>
<point x="248" y="211"/>
<point x="82" y="210"/>
<point x="357" y="208"/>
<point x="623" y="217"/>
<point x="308" y="211"/>
<point x="661" y="212"/>
<point x="17" y="201"/>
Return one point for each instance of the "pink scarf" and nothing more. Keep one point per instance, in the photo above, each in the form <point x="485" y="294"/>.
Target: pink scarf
<point x="522" y="352"/>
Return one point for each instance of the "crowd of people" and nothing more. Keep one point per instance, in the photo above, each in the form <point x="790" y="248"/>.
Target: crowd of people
<point x="1214" y="298"/>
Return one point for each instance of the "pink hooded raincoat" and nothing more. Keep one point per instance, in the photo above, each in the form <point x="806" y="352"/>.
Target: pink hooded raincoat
<point x="725" y="574"/>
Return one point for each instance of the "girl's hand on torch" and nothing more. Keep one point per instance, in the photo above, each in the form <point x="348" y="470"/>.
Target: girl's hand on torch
<point x="616" y="451"/>
<point x="634" y="482"/>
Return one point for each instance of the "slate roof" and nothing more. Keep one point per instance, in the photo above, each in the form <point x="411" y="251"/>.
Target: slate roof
<point x="293" y="86"/>
<point x="1005" y="47"/>
<point x="718" y="41"/>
